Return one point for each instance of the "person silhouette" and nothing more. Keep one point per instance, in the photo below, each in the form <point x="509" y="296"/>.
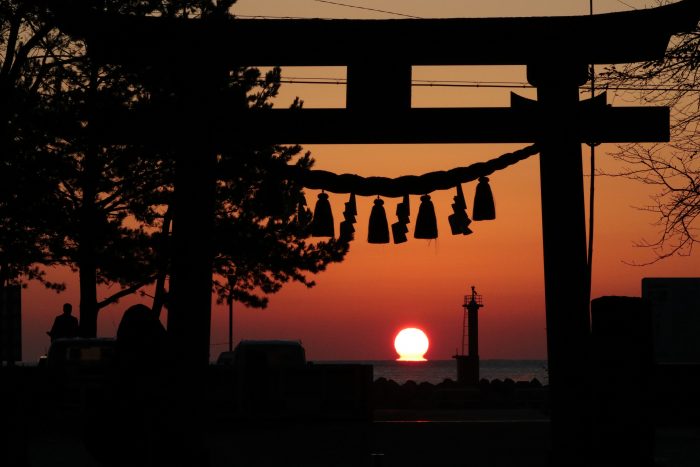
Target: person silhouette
<point x="141" y="342"/>
<point x="149" y="424"/>
<point x="65" y="324"/>
<point x="141" y="403"/>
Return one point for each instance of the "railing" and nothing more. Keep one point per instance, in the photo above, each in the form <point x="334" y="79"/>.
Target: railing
<point x="473" y="297"/>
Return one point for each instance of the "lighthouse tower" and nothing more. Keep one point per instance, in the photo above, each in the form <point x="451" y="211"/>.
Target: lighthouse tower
<point x="468" y="365"/>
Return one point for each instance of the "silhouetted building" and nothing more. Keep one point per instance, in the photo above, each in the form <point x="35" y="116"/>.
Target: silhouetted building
<point x="622" y="381"/>
<point x="675" y="304"/>
<point x="11" y="324"/>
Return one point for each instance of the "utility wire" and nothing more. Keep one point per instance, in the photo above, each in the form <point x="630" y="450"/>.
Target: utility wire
<point x="363" y="8"/>
<point x="459" y="81"/>
<point x="368" y="9"/>
<point x="271" y="17"/>
<point x="341" y="81"/>
<point x="626" y="4"/>
<point x="484" y="84"/>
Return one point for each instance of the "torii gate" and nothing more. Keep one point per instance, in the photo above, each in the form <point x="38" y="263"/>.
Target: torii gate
<point x="556" y="50"/>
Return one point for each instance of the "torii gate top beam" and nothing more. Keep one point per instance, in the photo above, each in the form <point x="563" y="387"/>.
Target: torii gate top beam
<point x="623" y="37"/>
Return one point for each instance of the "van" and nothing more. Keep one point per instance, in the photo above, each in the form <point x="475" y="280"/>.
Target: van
<point x="79" y="351"/>
<point x="80" y="368"/>
<point x="266" y="355"/>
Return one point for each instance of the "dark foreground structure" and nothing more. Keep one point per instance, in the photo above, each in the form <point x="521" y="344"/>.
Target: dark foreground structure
<point x="319" y="415"/>
<point x="558" y="123"/>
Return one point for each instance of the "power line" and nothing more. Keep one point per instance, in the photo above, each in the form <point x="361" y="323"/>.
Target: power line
<point x="334" y="80"/>
<point x="485" y="84"/>
<point x="368" y="9"/>
<point x="626" y="4"/>
<point x="476" y="82"/>
<point x="271" y="17"/>
<point x="415" y="84"/>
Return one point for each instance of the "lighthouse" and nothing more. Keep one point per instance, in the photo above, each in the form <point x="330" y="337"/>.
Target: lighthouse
<point x="468" y="365"/>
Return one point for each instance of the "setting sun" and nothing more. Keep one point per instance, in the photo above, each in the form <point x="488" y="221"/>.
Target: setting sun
<point x="411" y="344"/>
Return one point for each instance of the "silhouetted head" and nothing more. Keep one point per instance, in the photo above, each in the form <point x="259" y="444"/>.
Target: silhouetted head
<point x="67" y="308"/>
<point x="141" y="337"/>
<point x="136" y="320"/>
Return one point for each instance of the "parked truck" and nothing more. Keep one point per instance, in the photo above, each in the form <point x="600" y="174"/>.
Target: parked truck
<point x="264" y="379"/>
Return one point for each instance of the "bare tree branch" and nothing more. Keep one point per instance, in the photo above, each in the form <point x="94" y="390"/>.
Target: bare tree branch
<point x="674" y="168"/>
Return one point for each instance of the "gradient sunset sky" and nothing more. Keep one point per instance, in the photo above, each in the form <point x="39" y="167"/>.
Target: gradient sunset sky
<point x="359" y="305"/>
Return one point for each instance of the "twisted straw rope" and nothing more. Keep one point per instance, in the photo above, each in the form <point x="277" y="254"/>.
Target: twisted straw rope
<point x="408" y="184"/>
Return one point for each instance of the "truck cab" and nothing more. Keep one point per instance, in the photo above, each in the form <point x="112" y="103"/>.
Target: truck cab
<point x="267" y="355"/>
<point x="272" y="379"/>
<point x="80" y="368"/>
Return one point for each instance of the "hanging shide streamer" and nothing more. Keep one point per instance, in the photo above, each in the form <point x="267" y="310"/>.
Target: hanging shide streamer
<point x="484" y="207"/>
<point x="399" y="229"/>
<point x="347" y="230"/>
<point x="426" y="222"/>
<point x="459" y="220"/>
<point x="378" y="231"/>
<point x="459" y="199"/>
<point x="322" y="222"/>
<point x="352" y="204"/>
<point x="403" y="210"/>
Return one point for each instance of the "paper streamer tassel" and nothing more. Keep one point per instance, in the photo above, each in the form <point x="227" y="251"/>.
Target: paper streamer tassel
<point x="484" y="207"/>
<point x="322" y="223"/>
<point x="378" y="231"/>
<point x="426" y="223"/>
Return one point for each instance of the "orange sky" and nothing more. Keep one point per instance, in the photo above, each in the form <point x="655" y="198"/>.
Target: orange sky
<point x="359" y="305"/>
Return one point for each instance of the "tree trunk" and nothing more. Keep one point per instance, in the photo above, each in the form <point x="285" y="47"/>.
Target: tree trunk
<point x="87" y="229"/>
<point x="159" y="297"/>
<point x="88" y="295"/>
<point x="87" y="254"/>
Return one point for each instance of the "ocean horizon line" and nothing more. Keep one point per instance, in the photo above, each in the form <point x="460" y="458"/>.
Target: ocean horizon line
<point x="428" y="360"/>
<point x="437" y="371"/>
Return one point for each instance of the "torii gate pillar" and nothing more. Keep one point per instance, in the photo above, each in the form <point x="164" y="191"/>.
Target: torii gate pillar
<point x="189" y="309"/>
<point x="565" y="259"/>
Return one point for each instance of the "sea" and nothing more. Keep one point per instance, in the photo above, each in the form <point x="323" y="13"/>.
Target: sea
<point x="437" y="371"/>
